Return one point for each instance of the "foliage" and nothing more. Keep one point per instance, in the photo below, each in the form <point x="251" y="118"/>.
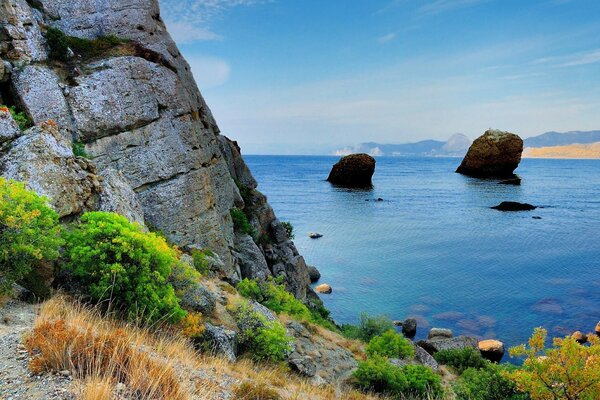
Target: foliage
<point x="461" y="359"/>
<point x="59" y="44"/>
<point x="265" y="340"/>
<point x="368" y="327"/>
<point x="29" y="232"/>
<point x="378" y="375"/>
<point x="289" y="228"/>
<point x="201" y="262"/>
<point x="255" y="391"/>
<point x="116" y="260"/>
<point x="20" y="118"/>
<point x="272" y="294"/>
<point x="79" y="150"/>
<point x="568" y="370"/>
<point x="240" y="222"/>
<point x="192" y="325"/>
<point x="390" y="344"/>
<point x="488" y="383"/>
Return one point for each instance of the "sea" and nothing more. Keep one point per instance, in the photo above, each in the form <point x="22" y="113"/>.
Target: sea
<point x="434" y="250"/>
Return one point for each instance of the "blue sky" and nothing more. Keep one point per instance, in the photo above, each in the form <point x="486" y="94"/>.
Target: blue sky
<point x="309" y="77"/>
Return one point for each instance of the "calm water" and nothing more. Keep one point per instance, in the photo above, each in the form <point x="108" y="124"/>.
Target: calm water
<point x="434" y="249"/>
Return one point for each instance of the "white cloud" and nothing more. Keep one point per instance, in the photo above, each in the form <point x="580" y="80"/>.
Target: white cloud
<point x="386" y="38"/>
<point x="440" y="6"/>
<point x="209" y="72"/>
<point x="185" y="32"/>
<point x="571" y="60"/>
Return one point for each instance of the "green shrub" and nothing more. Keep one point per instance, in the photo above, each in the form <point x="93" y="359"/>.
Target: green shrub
<point x="368" y="327"/>
<point x="487" y="383"/>
<point x="378" y="375"/>
<point x="461" y="359"/>
<point x="390" y="344"/>
<point x="59" y="44"/>
<point x="115" y="259"/>
<point x="29" y="233"/>
<point x="20" y="117"/>
<point x="289" y="228"/>
<point x="265" y="340"/>
<point x="246" y="192"/>
<point x="240" y="222"/>
<point x="79" y="150"/>
<point x="273" y="295"/>
<point x="201" y="262"/>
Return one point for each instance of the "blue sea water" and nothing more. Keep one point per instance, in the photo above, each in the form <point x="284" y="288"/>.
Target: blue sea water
<point x="434" y="250"/>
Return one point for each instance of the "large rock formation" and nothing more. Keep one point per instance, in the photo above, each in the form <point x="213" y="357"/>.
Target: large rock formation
<point x="495" y="154"/>
<point x="355" y="171"/>
<point x="156" y="153"/>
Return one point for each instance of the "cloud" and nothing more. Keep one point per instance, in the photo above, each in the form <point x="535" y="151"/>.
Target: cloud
<point x="209" y="72"/>
<point x="571" y="60"/>
<point x="440" y="6"/>
<point x="190" y="20"/>
<point x="386" y="38"/>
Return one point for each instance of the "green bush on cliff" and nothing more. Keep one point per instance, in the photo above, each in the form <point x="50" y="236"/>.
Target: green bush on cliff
<point x="368" y="327"/>
<point x="20" y="117"/>
<point x="240" y="222"/>
<point x="461" y="359"/>
<point x="29" y="233"/>
<point x="378" y="375"/>
<point x="59" y="44"/>
<point x="489" y="383"/>
<point x="289" y="229"/>
<point x="116" y="260"/>
<point x="390" y="344"/>
<point x="79" y="150"/>
<point x="201" y="262"/>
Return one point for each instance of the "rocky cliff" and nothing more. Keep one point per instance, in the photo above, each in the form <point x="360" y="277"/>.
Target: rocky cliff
<point x="123" y="95"/>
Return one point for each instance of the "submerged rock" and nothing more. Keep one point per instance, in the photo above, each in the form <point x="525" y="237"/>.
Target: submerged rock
<point x="436" y="333"/>
<point x="432" y="346"/>
<point x="492" y="350"/>
<point x="514" y="206"/>
<point x="494" y="154"/>
<point x="355" y="171"/>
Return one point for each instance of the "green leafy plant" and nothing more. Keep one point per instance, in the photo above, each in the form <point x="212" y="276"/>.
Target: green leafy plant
<point x="240" y="222"/>
<point x="368" y="327"/>
<point x="461" y="359"/>
<point x="116" y="260"/>
<point x="390" y="344"/>
<point x="60" y="43"/>
<point x="30" y="234"/>
<point x="488" y="383"/>
<point x="289" y="228"/>
<point x="20" y="117"/>
<point x="201" y="261"/>
<point x="79" y="150"/>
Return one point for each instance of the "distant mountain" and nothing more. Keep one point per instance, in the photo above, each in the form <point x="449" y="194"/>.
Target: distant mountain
<point x="549" y="139"/>
<point x="456" y="146"/>
<point x="588" y="150"/>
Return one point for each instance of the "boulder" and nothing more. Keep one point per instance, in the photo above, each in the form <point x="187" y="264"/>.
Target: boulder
<point x="250" y="259"/>
<point x="5" y="70"/>
<point x="315" y="235"/>
<point x="355" y="171"/>
<point x="492" y="350"/>
<point x="424" y="358"/>
<point x="9" y="129"/>
<point x="324" y="288"/>
<point x="580" y="337"/>
<point x="432" y="346"/>
<point x="494" y="154"/>
<point x="409" y="328"/>
<point x="513" y="206"/>
<point x="221" y="341"/>
<point x="436" y="333"/>
<point x="314" y="274"/>
<point x="118" y="196"/>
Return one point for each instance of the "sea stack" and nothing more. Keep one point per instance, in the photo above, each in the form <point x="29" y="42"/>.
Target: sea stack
<point x="495" y="154"/>
<point x="354" y="171"/>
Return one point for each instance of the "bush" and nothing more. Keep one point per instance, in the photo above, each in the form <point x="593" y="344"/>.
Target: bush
<point x="255" y="391"/>
<point x="201" y="262"/>
<point x="378" y="375"/>
<point x="489" y="383"/>
<point x="29" y="233"/>
<point x="79" y="150"/>
<point x="59" y="44"/>
<point x="273" y="295"/>
<point x="461" y="359"/>
<point x="240" y="222"/>
<point x="20" y="117"/>
<point x="390" y="344"/>
<point x="289" y="228"/>
<point x="265" y="340"/>
<point x="116" y="260"/>
<point x="368" y="327"/>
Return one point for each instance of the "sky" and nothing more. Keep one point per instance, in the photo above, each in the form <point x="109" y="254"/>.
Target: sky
<point x="313" y="76"/>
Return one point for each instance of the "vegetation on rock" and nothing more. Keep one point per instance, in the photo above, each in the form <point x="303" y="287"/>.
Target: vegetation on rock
<point x="20" y="117"/>
<point x="29" y="233"/>
<point x="368" y="327"/>
<point x="201" y="262"/>
<point x="60" y="44"/>
<point x="289" y="229"/>
<point x="487" y="383"/>
<point x="79" y="150"/>
<point x="390" y="344"/>
<point x="461" y="359"/>
<point x="240" y="222"/>
<point x="116" y="260"/>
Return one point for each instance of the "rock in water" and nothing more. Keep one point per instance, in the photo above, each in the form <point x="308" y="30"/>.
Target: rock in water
<point x="314" y="274"/>
<point x="514" y="206"/>
<point x="437" y="333"/>
<point x="409" y="328"/>
<point x="579" y="337"/>
<point x="324" y="288"/>
<point x="355" y="171"/>
<point x="495" y="154"/>
<point x="492" y="350"/>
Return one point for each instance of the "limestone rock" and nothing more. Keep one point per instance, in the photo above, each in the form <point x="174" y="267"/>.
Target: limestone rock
<point x="118" y="196"/>
<point x="20" y="28"/>
<point x="324" y="288"/>
<point x="494" y="154"/>
<point x="9" y="129"/>
<point x="424" y="358"/>
<point x="513" y="206"/>
<point x="237" y="167"/>
<point x="432" y="346"/>
<point x="435" y="333"/>
<point x="409" y="328"/>
<point x="44" y="159"/>
<point x="314" y="274"/>
<point x="492" y="350"/>
<point x="5" y="71"/>
<point x="252" y="262"/>
<point x="221" y="341"/>
<point x="355" y="170"/>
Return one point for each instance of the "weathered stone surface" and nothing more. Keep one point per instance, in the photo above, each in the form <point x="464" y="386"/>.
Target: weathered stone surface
<point x="118" y="196"/>
<point x="44" y="159"/>
<point x="5" y="71"/>
<point x="20" y="33"/>
<point x="221" y="341"/>
<point x="314" y="274"/>
<point x="355" y="170"/>
<point x="579" y="337"/>
<point x="38" y="91"/>
<point x="492" y="350"/>
<point x="424" y="358"/>
<point x="439" y="333"/>
<point x="237" y="167"/>
<point x="324" y="288"/>
<point x="432" y="346"/>
<point x="9" y="129"/>
<point x="264" y="311"/>
<point x="409" y="328"/>
<point x="514" y="206"/>
<point x="317" y="358"/>
<point x="251" y="260"/>
<point x="494" y="154"/>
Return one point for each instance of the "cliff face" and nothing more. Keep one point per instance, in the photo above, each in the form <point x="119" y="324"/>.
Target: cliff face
<point x="156" y="153"/>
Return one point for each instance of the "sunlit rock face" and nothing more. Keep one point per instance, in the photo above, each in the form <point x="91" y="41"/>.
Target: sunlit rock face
<point x="495" y="154"/>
